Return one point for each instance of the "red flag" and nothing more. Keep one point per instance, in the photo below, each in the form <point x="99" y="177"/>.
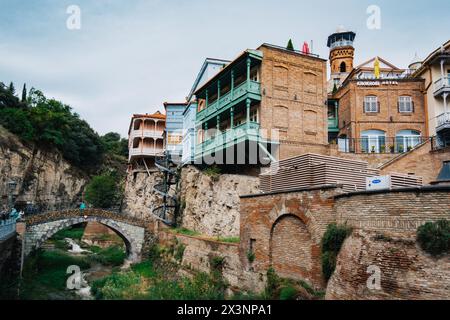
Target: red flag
<point x="306" y="48"/>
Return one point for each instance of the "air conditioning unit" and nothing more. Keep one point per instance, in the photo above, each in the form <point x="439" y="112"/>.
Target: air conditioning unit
<point x="378" y="183"/>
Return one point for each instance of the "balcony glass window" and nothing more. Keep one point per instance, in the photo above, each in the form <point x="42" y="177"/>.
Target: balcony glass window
<point x="254" y="115"/>
<point x="405" y="140"/>
<point x="405" y="104"/>
<point x="371" y="104"/>
<point x="373" y="141"/>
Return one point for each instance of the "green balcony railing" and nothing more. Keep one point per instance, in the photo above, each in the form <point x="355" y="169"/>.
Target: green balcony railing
<point x="225" y="139"/>
<point x="333" y="123"/>
<point x="230" y="98"/>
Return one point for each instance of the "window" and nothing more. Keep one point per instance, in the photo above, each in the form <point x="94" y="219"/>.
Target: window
<point x="371" y="104"/>
<point x="174" y="139"/>
<point x="405" y="104"/>
<point x="373" y="141"/>
<point x="254" y="115"/>
<point x="407" y="140"/>
<point x="343" y="67"/>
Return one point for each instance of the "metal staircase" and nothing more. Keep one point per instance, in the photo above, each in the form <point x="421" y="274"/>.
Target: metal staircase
<point x="167" y="212"/>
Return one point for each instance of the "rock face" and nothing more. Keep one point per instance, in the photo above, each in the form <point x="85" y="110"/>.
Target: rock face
<point x="210" y="204"/>
<point x="41" y="177"/>
<point x="406" y="272"/>
<point x="139" y="197"/>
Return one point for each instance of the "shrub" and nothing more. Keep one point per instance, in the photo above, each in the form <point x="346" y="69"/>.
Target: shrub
<point x="288" y="293"/>
<point x="118" y="286"/>
<point x="102" y="191"/>
<point x="273" y="282"/>
<point x="434" y="237"/>
<point x="179" y="251"/>
<point x="332" y="242"/>
<point x="250" y="256"/>
<point x="144" y="269"/>
<point x="217" y="262"/>
<point x="213" y="172"/>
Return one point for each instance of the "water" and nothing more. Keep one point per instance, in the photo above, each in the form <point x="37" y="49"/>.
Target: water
<point x="75" y="247"/>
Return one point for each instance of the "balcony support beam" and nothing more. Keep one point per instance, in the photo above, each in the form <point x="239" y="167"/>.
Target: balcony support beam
<point x="206" y="102"/>
<point x="249" y="63"/>
<point x="218" y="124"/>
<point x="232" y="84"/>
<point x="445" y="102"/>
<point x="248" y="102"/>
<point x="218" y="94"/>
<point x="232" y="118"/>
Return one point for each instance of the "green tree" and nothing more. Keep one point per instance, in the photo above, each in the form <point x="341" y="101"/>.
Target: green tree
<point x="114" y="144"/>
<point x="24" y="93"/>
<point x="102" y="191"/>
<point x="12" y="89"/>
<point x="290" y="45"/>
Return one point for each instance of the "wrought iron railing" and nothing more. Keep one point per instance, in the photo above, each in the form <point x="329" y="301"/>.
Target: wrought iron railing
<point x="380" y="145"/>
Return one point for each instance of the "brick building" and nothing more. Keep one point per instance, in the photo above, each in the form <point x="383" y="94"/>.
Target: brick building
<point x="261" y="90"/>
<point x="380" y="109"/>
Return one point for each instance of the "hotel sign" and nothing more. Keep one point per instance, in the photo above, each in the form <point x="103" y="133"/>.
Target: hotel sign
<point x="376" y="83"/>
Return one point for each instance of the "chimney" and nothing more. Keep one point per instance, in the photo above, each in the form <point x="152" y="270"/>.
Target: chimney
<point x="444" y="176"/>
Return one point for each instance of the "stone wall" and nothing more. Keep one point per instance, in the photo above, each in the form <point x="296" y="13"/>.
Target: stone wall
<point x="139" y="197"/>
<point x="42" y="177"/>
<point x="385" y="225"/>
<point x="210" y="204"/>
<point x="284" y="231"/>
<point x="7" y="250"/>
<point x="198" y="255"/>
<point x="407" y="273"/>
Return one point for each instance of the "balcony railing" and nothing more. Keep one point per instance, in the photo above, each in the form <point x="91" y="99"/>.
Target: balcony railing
<point x="342" y="43"/>
<point x="146" y="134"/>
<point x="380" y="145"/>
<point x="443" y="119"/>
<point x="227" y="99"/>
<point x="226" y="138"/>
<point x="7" y="228"/>
<point x="332" y="123"/>
<point x="442" y="86"/>
<point x="145" y="151"/>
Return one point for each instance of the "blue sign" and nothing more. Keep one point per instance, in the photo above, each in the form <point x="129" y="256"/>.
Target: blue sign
<point x="376" y="181"/>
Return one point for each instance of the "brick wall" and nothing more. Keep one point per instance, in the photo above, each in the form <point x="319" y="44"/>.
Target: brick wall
<point x="293" y="95"/>
<point x="406" y="271"/>
<point x="421" y="162"/>
<point x="396" y="213"/>
<point x="284" y="232"/>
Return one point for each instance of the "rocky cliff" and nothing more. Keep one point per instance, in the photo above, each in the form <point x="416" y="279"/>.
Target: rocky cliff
<point x="42" y="177"/>
<point x="139" y="197"/>
<point x="210" y="204"/>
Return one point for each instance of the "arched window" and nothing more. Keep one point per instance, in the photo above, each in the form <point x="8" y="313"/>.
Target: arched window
<point x="373" y="141"/>
<point x="405" y="140"/>
<point x="343" y="67"/>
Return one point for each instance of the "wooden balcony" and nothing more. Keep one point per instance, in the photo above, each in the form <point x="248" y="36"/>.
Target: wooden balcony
<point x="247" y="89"/>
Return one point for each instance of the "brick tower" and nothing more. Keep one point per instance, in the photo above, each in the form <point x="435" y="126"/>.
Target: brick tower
<point x="342" y="53"/>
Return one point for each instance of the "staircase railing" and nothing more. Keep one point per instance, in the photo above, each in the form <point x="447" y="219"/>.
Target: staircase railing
<point x="167" y="212"/>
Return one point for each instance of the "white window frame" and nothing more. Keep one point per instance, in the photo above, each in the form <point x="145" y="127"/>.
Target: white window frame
<point x="371" y="104"/>
<point x="405" y="104"/>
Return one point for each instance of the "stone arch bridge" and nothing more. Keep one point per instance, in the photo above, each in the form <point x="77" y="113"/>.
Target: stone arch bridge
<point x="39" y="228"/>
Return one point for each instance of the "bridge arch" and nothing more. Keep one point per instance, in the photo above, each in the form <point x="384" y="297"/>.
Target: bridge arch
<point x="39" y="232"/>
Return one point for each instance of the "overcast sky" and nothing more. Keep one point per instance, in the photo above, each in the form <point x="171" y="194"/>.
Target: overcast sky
<point x="132" y="55"/>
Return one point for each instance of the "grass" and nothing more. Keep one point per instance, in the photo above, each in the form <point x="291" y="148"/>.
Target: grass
<point x="229" y="239"/>
<point x="185" y="232"/>
<point x="73" y="233"/>
<point x="46" y="273"/>
<point x="111" y="256"/>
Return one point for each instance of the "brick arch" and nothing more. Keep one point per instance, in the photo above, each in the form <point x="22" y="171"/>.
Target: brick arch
<point x="133" y="236"/>
<point x="291" y="247"/>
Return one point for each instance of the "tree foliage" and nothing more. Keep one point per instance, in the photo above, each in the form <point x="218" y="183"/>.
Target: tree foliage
<point x="49" y="123"/>
<point x="102" y="191"/>
<point x="434" y="237"/>
<point x="114" y="144"/>
<point x="290" y="45"/>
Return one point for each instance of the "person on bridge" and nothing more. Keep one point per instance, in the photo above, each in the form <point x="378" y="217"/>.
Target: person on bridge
<point x="82" y="207"/>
